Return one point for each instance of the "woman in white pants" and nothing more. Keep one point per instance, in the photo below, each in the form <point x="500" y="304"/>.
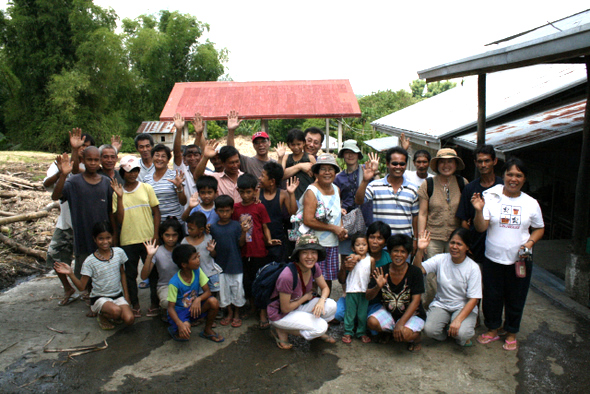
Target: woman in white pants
<point x="295" y="309"/>
<point x="453" y="311"/>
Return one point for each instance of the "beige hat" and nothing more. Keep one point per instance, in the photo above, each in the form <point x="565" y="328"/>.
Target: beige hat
<point x="325" y="158"/>
<point x="446" y="153"/>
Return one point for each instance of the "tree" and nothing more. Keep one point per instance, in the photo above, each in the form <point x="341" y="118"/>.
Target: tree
<point x="418" y="86"/>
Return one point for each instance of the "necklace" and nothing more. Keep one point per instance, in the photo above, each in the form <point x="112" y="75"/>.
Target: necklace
<point x="101" y="257"/>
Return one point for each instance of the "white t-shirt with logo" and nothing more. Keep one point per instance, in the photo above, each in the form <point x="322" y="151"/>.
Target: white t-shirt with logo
<point x="510" y="220"/>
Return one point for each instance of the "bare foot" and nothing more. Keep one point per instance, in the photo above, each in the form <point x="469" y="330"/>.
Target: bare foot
<point x="67" y="297"/>
<point x="328" y="339"/>
<point x="415" y="346"/>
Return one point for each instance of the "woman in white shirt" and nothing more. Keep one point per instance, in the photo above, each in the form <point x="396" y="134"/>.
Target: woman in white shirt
<point x="514" y="222"/>
<point x="458" y="289"/>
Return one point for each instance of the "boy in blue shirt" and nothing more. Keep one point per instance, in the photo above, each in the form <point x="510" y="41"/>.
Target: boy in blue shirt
<point x="203" y="201"/>
<point x="229" y="236"/>
<point x="185" y="305"/>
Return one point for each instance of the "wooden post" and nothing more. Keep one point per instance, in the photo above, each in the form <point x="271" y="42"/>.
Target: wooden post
<point x="481" y="109"/>
<point x="327" y="135"/>
<point x="577" y="273"/>
<point x="264" y="125"/>
<point x="339" y="134"/>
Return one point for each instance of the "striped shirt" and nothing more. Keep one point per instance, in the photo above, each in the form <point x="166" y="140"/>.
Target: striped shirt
<point x="167" y="196"/>
<point x="105" y="274"/>
<point x="394" y="208"/>
<point x="144" y="171"/>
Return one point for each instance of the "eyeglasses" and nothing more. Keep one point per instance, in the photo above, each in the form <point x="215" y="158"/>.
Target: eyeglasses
<point x="397" y="163"/>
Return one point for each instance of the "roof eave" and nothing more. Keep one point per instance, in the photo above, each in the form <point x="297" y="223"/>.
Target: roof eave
<point x="419" y="138"/>
<point x="556" y="47"/>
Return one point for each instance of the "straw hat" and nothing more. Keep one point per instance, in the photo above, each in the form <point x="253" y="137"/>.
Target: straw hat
<point x="446" y="153"/>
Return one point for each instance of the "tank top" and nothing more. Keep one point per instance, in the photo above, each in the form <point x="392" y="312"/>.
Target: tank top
<point x="273" y="207"/>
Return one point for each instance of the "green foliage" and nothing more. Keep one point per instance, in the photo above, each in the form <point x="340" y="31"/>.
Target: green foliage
<point x="421" y="91"/>
<point x="63" y="65"/>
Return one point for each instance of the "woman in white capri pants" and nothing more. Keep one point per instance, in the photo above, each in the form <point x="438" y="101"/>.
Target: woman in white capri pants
<point x="453" y="311"/>
<point x="297" y="311"/>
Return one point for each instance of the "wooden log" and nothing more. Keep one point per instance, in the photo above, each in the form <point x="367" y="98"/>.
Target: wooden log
<point x="23" y="217"/>
<point x="19" y="181"/>
<point x="4" y="213"/>
<point x="7" y="194"/>
<point x="24" y="249"/>
<point x="51" y="205"/>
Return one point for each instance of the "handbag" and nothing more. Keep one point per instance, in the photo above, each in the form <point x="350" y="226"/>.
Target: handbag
<point x="353" y="222"/>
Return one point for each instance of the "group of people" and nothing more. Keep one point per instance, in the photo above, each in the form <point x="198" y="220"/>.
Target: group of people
<point x="204" y="233"/>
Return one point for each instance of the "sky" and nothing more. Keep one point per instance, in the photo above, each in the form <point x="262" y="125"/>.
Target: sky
<point x="377" y="45"/>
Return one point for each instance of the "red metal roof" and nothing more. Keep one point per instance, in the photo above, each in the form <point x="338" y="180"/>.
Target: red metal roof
<point x="156" y="127"/>
<point x="263" y="100"/>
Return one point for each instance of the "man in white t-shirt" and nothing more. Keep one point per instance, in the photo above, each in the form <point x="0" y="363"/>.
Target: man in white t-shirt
<point x="421" y="162"/>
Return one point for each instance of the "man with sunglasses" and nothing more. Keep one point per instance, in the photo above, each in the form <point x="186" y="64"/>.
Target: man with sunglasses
<point x="395" y="200"/>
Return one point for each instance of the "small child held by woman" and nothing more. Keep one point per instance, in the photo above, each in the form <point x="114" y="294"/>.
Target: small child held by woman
<point x="358" y="275"/>
<point x="170" y="234"/>
<point x="109" y="297"/>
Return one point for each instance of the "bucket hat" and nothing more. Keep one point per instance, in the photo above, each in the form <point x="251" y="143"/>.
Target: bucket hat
<point x="446" y="153"/>
<point x="350" y="145"/>
<point x="308" y="242"/>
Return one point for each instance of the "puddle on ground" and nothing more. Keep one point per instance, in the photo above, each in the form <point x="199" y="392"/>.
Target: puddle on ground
<point x="245" y="365"/>
<point x="553" y="362"/>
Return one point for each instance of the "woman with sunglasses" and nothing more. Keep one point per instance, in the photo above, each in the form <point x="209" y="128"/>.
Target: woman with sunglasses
<point x="439" y="200"/>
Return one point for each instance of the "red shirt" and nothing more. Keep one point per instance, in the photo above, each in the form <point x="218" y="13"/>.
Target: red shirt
<point x="254" y="246"/>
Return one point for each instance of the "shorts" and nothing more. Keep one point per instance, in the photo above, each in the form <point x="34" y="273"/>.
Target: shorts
<point x="213" y="283"/>
<point x="96" y="307"/>
<point x="231" y="290"/>
<point x="416" y="324"/>
<point x="61" y="247"/>
<point x="184" y="314"/>
<point x="330" y="265"/>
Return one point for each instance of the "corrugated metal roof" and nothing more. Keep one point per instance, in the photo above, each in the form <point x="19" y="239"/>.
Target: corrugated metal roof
<point x="382" y="144"/>
<point x="534" y="129"/>
<point x="455" y="111"/>
<point x="263" y="100"/>
<point x="156" y="127"/>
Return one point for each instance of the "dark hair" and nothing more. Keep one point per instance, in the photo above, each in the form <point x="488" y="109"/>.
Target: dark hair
<point x="174" y="224"/>
<point x="88" y="137"/>
<point x="422" y="152"/>
<point x="314" y="130"/>
<point x="464" y="234"/>
<point x="101" y="227"/>
<point x="198" y="219"/>
<point x="226" y="152"/>
<point x="485" y="150"/>
<point x="160" y="148"/>
<point x="395" y="149"/>
<point x="224" y="201"/>
<point x="379" y="227"/>
<point x="207" y="181"/>
<point x="182" y="254"/>
<point x="247" y="181"/>
<point x="122" y="172"/>
<point x="355" y="237"/>
<point x="295" y="135"/>
<point x="515" y="162"/>
<point x="142" y="137"/>
<point x="274" y="171"/>
<point x="400" y="240"/>
<point x="192" y="146"/>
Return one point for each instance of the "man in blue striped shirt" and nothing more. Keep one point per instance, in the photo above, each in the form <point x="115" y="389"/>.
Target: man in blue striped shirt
<point x="395" y="200"/>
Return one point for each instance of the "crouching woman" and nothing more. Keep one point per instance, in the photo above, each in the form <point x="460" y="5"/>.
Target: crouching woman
<point x="398" y="286"/>
<point x="297" y="311"/>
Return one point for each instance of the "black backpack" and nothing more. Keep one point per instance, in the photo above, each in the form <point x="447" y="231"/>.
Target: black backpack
<point x="265" y="281"/>
<point x="430" y="184"/>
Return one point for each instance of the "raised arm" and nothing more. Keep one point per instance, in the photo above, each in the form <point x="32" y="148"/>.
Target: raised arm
<point x="177" y="148"/>
<point x="232" y="124"/>
<point x="76" y="141"/>
<point x="478" y="203"/>
<point x="209" y="151"/>
<point x="369" y="170"/>
<point x="64" y="167"/>
<point x="423" y="242"/>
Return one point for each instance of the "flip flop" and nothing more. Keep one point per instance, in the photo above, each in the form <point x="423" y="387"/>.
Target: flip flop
<point x="68" y="301"/>
<point x="235" y="323"/>
<point x="469" y="343"/>
<point x="483" y="339"/>
<point x="347" y="339"/>
<point x="508" y="345"/>
<point x="365" y="339"/>
<point x="104" y="325"/>
<point x="152" y="312"/>
<point x="174" y="335"/>
<point x="264" y="325"/>
<point x="136" y="313"/>
<point x="213" y="338"/>
<point x="225" y="321"/>
<point x="145" y="284"/>
<point x="283" y="345"/>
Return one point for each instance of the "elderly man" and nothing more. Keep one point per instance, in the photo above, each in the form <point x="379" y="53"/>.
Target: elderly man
<point x="108" y="161"/>
<point x="260" y="142"/>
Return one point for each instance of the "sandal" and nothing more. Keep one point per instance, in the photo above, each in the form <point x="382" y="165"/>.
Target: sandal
<point x="469" y="343"/>
<point x="104" y="324"/>
<point x="414" y="346"/>
<point x="347" y="339"/>
<point x="213" y="337"/>
<point x="226" y="321"/>
<point x="136" y="313"/>
<point x="264" y="325"/>
<point x="483" y="339"/>
<point x="283" y="345"/>
<point x="235" y="323"/>
<point x="153" y="312"/>
<point x="510" y="345"/>
<point x="365" y="339"/>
